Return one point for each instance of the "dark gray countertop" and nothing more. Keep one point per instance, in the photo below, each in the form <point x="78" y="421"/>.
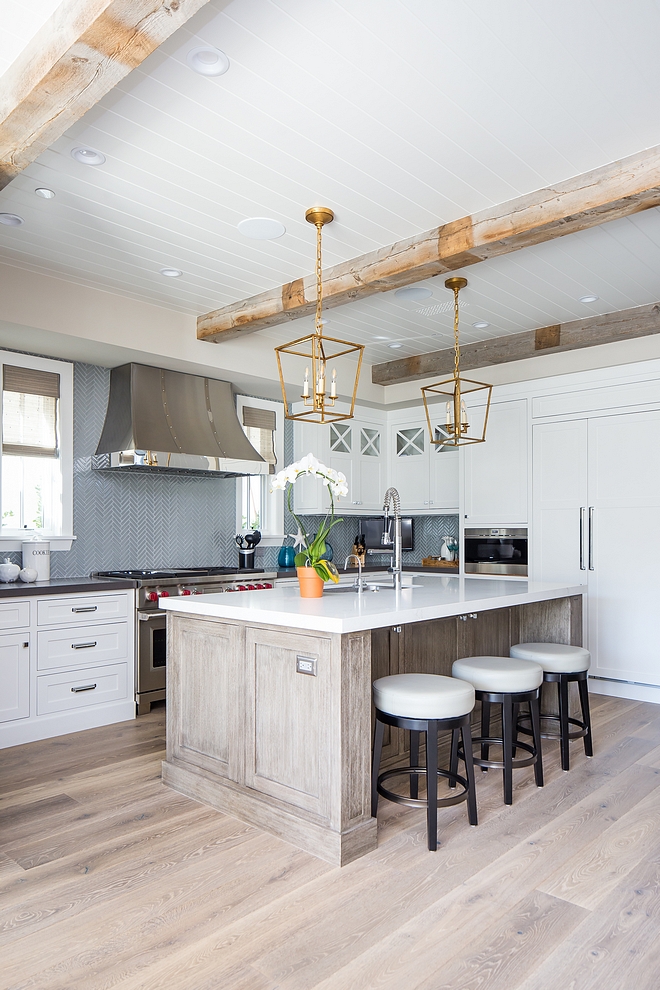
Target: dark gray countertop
<point x="63" y="586"/>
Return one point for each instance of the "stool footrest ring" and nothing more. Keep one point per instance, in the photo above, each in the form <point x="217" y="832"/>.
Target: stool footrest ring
<point x="421" y="802"/>
<point x="516" y="764"/>
<point x="579" y="734"/>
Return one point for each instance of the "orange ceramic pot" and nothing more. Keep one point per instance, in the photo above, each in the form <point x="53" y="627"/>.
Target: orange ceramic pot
<point x="311" y="585"/>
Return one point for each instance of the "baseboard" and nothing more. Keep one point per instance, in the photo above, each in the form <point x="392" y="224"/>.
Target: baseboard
<point x="25" y="730"/>
<point x="625" y="689"/>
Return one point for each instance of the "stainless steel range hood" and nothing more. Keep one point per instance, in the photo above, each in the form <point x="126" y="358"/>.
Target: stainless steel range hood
<point x="161" y="420"/>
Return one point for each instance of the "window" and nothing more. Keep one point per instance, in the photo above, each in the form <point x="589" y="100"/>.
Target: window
<point x="256" y="506"/>
<point x="36" y="465"/>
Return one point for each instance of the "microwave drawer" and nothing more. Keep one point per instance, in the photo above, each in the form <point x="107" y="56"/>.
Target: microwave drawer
<point x="81" y="688"/>
<point x="92" y="608"/>
<point x="81" y="646"/>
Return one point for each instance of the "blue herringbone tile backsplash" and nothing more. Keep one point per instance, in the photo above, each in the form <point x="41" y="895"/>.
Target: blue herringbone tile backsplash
<point x="138" y="520"/>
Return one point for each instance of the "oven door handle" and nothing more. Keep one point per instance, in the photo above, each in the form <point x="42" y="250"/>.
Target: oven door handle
<point x="146" y="616"/>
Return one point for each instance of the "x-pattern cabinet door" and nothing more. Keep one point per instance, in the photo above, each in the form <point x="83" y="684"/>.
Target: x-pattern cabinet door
<point x="410" y="465"/>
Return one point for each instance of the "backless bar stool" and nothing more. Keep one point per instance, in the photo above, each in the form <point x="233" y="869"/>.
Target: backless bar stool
<point x="424" y="703"/>
<point x="562" y="664"/>
<point x="507" y="682"/>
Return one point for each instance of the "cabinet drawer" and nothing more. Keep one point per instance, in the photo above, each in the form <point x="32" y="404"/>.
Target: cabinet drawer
<point x="81" y="688"/>
<point x="57" y="611"/>
<point x="82" y="645"/>
<point x="14" y="615"/>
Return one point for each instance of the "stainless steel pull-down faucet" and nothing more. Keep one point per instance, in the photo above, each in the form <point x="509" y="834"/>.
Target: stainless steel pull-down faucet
<point x="392" y="498"/>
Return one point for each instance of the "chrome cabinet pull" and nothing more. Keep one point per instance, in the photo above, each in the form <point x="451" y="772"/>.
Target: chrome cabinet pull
<point x="591" y="538"/>
<point x="83" y="687"/>
<point x="582" y="512"/>
<point x="83" y="646"/>
<point x="88" y="608"/>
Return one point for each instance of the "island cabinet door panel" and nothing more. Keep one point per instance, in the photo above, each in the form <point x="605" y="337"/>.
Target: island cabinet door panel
<point x="429" y="647"/>
<point x="484" y="634"/>
<point x="289" y="718"/>
<point x="205" y="699"/>
<point x="386" y="659"/>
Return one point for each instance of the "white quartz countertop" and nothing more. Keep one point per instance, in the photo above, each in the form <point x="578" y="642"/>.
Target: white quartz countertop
<point x="343" y="611"/>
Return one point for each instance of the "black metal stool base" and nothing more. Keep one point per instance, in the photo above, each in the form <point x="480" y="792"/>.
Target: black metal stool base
<point x="583" y="725"/>
<point x="431" y="771"/>
<point x="509" y="742"/>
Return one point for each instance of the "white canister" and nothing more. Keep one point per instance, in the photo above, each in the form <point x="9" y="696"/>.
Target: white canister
<point x="36" y="555"/>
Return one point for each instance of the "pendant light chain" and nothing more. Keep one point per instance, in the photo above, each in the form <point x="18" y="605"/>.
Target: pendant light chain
<point x="457" y="350"/>
<point x="319" y="280"/>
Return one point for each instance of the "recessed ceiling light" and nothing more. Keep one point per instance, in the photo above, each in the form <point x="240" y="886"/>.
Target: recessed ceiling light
<point x="481" y="324"/>
<point x="413" y="292"/>
<point x="171" y="272"/>
<point x="381" y="338"/>
<point x="261" y="228"/>
<point x="395" y="345"/>
<point x="87" y="156"/>
<point x="207" y="61"/>
<point x="44" y="193"/>
<point x="588" y="299"/>
<point x="11" y="219"/>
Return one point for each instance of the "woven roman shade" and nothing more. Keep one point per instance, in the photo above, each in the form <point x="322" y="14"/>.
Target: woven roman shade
<point x="260" y="430"/>
<point x="29" y="412"/>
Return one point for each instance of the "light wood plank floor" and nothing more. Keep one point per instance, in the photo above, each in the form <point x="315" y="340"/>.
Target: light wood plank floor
<point x="108" y="879"/>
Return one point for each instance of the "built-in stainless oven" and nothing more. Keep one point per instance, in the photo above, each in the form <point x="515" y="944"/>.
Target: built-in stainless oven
<point x="497" y="550"/>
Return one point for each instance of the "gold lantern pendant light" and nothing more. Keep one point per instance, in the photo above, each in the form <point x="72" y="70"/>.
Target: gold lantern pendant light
<point x="455" y="429"/>
<point x="318" y="395"/>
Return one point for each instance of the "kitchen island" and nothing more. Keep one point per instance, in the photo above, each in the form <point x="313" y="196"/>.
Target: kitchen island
<point x="269" y="694"/>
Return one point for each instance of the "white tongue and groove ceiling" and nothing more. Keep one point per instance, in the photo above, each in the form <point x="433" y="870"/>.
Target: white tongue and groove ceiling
<point x="399" y="115"/>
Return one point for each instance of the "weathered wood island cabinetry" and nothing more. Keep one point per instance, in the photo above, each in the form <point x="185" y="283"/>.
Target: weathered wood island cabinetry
<point x="269" y="701"/>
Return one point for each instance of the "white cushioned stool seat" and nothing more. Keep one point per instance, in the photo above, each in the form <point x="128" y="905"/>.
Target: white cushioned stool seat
<point x="556" y="658"/>
<point x="496" y="675"/>
<point x="424" y="696"/>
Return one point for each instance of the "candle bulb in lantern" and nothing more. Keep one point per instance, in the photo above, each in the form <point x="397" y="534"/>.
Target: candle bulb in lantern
<point x="333" y="384"/>
<point x="464" y="421"/>
<point x="305" y="393"/>
<point x="320" y="386"/>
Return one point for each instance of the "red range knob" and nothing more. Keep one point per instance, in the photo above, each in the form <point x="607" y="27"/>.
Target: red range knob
<point x="164" y="594"/>
<point x="250" y="587"/>
<point x="186" y="591"/>
<point x="267" y="585"/>
<point x="151" y="596"/>
<point x="241" y="587"/>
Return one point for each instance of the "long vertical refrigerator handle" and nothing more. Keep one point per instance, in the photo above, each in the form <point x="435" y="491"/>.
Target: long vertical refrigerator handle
<point x="591" y="537"/>
<point x="582" y="512"/>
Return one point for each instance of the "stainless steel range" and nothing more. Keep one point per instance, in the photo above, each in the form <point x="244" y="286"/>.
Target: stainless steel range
<point x="150" y="633"/>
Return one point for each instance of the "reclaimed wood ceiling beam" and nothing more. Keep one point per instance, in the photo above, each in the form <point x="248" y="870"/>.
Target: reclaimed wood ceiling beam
<point x="641" y="321"/>
<point x="79" y="54"/>
<point x="607" y="193"/>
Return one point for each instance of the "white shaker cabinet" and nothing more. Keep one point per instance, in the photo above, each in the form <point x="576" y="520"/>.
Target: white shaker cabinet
<point x="14" y="676"/>
<point x="596" y="521"/>
<point x="66" y="663"/>
<point x="559" y="502"/>
<point x="425" y="477"/>
<point x="356" y="448"/>
<point x="496" y="472"/>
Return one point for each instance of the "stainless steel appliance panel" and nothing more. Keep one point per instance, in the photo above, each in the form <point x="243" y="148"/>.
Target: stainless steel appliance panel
<point x="496" y="551"/>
